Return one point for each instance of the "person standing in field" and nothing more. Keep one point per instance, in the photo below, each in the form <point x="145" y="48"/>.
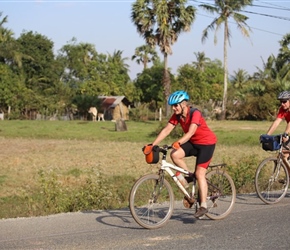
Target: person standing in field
<point x="198" y="140"/>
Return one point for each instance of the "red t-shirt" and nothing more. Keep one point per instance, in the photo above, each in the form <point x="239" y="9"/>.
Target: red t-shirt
<point x="284" y="114"/>
<point x="203" y="135"/>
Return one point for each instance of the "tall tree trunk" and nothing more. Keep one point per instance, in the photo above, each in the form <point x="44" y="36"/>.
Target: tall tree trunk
<point x="224" y="103"/>
<point x="166" y="86"/>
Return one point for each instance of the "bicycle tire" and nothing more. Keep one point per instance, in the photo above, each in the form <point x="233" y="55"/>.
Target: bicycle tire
<point x="151" y="202"/>
<point x="268" y="181"/>
<point x="221" y="196"/>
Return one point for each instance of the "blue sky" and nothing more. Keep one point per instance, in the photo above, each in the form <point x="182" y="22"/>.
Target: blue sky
<point x="107" y="25"/>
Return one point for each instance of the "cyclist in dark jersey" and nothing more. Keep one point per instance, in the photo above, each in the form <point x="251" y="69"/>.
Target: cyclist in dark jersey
<point x="198" y="140"/>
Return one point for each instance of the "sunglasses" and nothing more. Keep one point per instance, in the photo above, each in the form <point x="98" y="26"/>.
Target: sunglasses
<point x="283" y="101"/>
<point x="174" y="105"/>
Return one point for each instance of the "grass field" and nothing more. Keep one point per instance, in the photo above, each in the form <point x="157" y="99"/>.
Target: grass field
<point x="41" y="159"/>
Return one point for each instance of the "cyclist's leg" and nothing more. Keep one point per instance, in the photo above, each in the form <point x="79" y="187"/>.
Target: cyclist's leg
<point x="177" y="157"/>
<point x="200" y="173"/>
<point x="286" y="146"/>
<point x="203" y="158"/>
<point x="186" y="150"/>
<point x="286" y="163"/>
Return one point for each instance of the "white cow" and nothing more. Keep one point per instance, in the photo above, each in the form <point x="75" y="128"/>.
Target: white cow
<point x="95" y="114"/>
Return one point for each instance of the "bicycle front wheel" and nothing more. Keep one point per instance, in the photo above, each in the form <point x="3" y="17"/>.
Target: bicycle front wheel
<point x="151" y="201"/>
<point x="271" y="180"/>
<point x="221" y="194"/>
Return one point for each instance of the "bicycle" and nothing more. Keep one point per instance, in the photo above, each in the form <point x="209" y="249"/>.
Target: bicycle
<point x="272" y="176"/>
<point x="151" y="199"/>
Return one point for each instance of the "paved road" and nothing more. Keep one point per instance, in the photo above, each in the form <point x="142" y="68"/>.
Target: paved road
<point x="251" y="225"/>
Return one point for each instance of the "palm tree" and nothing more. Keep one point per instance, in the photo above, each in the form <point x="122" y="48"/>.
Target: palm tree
<point x="117" y="59"/>
<point x="201" y="62"/>
<point x="9" y="49"/>
<point x="5" y="34"/>
<point x="269" y="71"/>
<point x="144" y="54"/>
<point x="226" y="9"/>
<point x="160" y="22"/>
<point x="240" y="77"/>
<point x="283" y="57"/>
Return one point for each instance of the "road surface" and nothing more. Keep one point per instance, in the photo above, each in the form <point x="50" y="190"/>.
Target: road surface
<point x="251" y="225"/>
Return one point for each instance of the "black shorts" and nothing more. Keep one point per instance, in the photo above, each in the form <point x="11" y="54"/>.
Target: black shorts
<point x="203" y="153"/>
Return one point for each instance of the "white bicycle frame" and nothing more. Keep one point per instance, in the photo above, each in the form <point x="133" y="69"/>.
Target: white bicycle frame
<point x="167" y="167"/>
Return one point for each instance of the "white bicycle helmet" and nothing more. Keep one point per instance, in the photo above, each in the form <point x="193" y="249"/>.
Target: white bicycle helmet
<point x="284" y="95"/>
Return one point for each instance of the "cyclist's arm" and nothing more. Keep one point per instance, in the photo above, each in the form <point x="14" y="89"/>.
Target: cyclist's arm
<point x="287" y="130"/>
<point x="274" y="125"/>
<point x="191" y="131"/>
<point x="164" y="132"/>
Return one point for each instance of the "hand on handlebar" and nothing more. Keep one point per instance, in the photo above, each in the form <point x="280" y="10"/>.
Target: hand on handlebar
<point x="147" y="149"/>
<point x="285" y="137"/>
<point x="176" y="145"/>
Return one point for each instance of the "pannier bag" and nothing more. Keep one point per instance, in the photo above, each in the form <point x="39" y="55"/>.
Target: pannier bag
<point x="270" y="142"/>
<point x="151" y="154"/>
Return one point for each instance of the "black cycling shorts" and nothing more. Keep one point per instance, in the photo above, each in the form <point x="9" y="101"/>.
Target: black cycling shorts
<point x="203" y="153"/>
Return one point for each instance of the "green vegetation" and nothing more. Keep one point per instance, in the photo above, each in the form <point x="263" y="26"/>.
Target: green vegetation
<point x="35" y="80"/>
<point x="52" y="167"/>
<point x="61" y="166"/>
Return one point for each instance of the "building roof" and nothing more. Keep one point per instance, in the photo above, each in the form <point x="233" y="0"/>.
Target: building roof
<point x="113" y="101"/>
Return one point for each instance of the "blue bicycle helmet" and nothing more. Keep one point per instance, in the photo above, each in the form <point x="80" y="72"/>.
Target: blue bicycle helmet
<point x="178" y="97"/>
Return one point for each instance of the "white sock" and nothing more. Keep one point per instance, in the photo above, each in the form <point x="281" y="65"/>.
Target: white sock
<point x="203" y="204"/>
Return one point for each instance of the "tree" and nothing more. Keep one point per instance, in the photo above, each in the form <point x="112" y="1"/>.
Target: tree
<point x="201" y="86"/>
<point x="76" y="59"/>
<point x="283" y="58"/>
<point x="226" y="9"/>
<point x="9" y="49"/>
<point x="144" y="54"/>
<point x="148" y="83"/>
<point x="117" y="75"/>
<point x="160" y="22"/>
<point x="240" y="77"/>
<point x="201" y="62"/>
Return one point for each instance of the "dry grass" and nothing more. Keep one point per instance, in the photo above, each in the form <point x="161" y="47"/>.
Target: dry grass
<point x="21" y="159"/>
<point x="56" y="159"/>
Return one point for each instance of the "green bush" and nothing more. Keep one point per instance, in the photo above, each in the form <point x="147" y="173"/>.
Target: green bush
<point x="243" y="174"/>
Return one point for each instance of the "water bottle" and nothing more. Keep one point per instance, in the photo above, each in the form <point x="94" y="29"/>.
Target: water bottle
<point x="182" y="180"/>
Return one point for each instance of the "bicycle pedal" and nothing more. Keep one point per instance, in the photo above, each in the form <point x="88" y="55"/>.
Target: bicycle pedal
<point x="188" y="202"/>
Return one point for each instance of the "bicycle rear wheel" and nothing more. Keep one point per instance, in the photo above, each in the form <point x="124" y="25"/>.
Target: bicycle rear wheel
<point x="221" y="194"/>
<point x="271" y="181"/>
<point x="151" y="201"/>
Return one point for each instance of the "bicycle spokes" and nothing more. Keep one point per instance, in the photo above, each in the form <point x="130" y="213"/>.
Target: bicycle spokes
<point x="271" y="180"/>
<point x="221" y="194"/>
<point x="151" y="201"/>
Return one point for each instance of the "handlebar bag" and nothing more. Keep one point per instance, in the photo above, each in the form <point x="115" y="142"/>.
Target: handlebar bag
<point x="270" y="142"/>
<point x="152" y="156"/>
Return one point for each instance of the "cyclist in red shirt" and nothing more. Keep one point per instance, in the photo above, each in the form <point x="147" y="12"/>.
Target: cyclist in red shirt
<point x="283" y="113"/>
<point x="198" y="140"/>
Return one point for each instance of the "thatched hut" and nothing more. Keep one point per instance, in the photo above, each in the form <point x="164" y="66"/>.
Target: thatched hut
<point x="115" y="107"/>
